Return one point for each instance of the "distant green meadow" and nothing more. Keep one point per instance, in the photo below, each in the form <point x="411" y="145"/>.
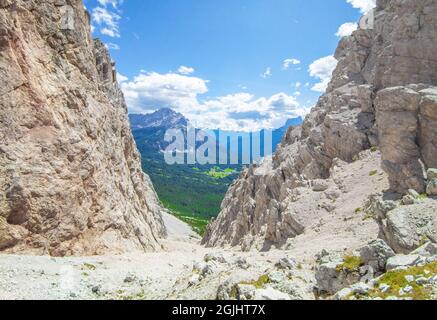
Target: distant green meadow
<point x="193" y="193"/>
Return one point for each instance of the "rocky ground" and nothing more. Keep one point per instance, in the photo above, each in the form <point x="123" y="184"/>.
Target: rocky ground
<point x="181" y="272"/>
<point x="331" y="259"/>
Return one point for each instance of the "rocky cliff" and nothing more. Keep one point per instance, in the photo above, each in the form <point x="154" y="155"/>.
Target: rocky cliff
<point x="70" y="175"/>
<point x="383" y="98"/>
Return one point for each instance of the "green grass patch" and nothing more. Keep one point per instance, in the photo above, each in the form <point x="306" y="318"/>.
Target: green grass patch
<point x="396" y="280"/>
<point x="218" y="173"/>
<point x="260" y="283"/>
<point x="369" y="215"/>
<point x="350" y="264"/>
<point x="423" y="196"/>
<point x="122" y="295"/>
<point x="89" y="266"/>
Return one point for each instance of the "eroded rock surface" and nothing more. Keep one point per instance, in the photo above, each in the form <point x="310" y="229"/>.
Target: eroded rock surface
<point x="407" y="227"/>
<point x="70" y="174"/>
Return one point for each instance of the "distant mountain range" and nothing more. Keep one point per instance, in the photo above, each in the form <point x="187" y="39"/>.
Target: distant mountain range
<point x="154" y="126"/>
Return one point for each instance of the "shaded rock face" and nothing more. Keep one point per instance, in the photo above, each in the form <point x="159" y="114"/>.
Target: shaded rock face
<point x="382" y="93"/>
<point x="70" y="176"/>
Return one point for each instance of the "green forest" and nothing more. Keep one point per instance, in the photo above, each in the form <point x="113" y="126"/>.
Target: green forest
<point x="193" y="193"/>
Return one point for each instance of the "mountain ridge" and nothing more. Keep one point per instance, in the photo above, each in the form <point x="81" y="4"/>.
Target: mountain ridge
<point x="162" y="118"/>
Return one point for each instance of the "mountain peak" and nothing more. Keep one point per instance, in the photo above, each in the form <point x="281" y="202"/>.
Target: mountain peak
<point x="162" y="118"/>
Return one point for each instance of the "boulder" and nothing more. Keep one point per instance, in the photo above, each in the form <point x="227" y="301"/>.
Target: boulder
<point x="431" y="188"/>
<point x="218" y="257"/>
<point x="332" y="276"/>
<point x="270" y="294"/>
<point x="431" y="174"/>
<point x="343" y="294"/>
<point x="360" y="288"/>
<point x="402" y="261"/>
<point x="408" y="200"/>
<point x="320" y="185"/>
<point x="376" y="254"/>
<point x="381" y="207"/>
<point x="406" y="228"/>
<point x="287" y="263"/>
<point x="194" y="280"/>
<point x="413" y="193"/>
<point x="277" y="277"/>
<point x="242" y="263"/>
<point x="245" y="291"/>
<point x="428" y="249"/>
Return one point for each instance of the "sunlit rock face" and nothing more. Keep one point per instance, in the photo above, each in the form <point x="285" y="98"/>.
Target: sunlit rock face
<point x="70" y="175"/>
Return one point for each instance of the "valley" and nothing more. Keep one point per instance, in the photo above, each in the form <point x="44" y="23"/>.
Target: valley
<point x="100" y="199"/>
<point x="193" y="193"/>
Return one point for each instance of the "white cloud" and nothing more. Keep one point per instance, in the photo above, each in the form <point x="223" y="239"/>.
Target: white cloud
<point x="346" y="29"/>
<point x="112" y="46"/>
<point x="121" y="78"/>
<point x="240" y="111"/>
<point x="267" y="73"/>
<point x="185" y="70"/>
<point x="289" y="62"/>
<point x="114" y="3"/>
<point x="149" y="90"/>
<point x="322" y="69"/>
<point x="363" y="5"/>
<point x="108" y="21"/>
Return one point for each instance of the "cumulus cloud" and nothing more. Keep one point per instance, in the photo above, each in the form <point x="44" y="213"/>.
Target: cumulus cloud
<point x="267" y="73"/>
<point x="346" y="29"/>
<point x="106" y="17"/>
<point x="322" y="69"/>
<point x="237" y="112"/>
<point x="185" y="70"/>
<point x="121" y="78"/>
<point x="363" y="5"/>
<point x="108" y="21"/>
<point x="289" y="62"/>
<point x="112" y="46"/>
<point x="114" y="3"/>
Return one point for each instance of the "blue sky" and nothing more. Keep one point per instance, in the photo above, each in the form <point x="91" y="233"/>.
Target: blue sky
<point x="229" y="64"/>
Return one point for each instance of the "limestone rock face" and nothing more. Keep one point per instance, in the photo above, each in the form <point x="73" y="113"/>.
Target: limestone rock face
<point x="407" y="227"/>
<point x="382" y="95"/>
<point x="407" y="129"/>
<point x="70" y="175"/>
